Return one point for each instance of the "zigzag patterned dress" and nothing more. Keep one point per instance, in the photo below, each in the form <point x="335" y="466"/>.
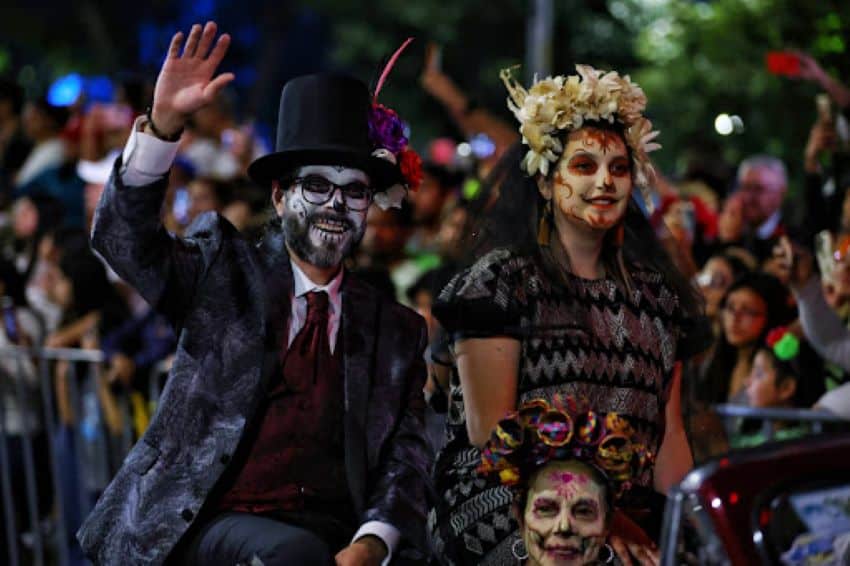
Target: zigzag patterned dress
<point x="584" y="338"/>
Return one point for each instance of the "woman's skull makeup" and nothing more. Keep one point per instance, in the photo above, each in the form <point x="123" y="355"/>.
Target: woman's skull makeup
<point x="321" y="234"/>
<point x="565" y="517"/>
<point x="592" y="183"/>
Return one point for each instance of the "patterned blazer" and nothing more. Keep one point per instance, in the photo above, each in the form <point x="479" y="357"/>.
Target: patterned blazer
<point x="218" y="290"/>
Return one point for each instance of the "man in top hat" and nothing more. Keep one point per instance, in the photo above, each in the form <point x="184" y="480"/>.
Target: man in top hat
<point x="290" y="430"/>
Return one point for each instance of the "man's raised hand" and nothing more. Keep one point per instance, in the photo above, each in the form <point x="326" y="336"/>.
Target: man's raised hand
<point x="185" y="83"/>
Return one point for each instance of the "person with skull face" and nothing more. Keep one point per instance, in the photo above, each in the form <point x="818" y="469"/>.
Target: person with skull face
<point x="566" y="469"/>
<point x="290" y="430"/>
<point x="570" y="292"/>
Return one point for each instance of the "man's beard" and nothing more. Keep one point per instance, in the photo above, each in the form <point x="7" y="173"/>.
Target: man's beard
<point x="331" y="251"/>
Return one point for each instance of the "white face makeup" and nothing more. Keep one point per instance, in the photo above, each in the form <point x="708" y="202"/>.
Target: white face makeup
<point x="564" y="521"/>
<point x="321" y="234"/>
<point x="593" y="180"/>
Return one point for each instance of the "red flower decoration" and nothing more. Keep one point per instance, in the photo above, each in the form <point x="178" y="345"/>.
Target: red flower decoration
<point x="411" y="168"/>
<point x="775" y="335"/>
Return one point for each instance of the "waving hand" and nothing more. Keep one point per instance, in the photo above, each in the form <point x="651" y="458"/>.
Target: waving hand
<point x="186" y="83"/>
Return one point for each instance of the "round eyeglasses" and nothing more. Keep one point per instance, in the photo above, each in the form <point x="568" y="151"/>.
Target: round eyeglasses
<point x="318" y="190"/>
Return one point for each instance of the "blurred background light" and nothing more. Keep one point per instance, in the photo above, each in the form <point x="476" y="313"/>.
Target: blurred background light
<point x="65" y="90"/>
<point x="723" y="124"/>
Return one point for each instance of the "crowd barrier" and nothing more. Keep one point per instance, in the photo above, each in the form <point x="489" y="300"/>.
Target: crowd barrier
<point x="816" y="420"/>
<point x="65" y="432"/>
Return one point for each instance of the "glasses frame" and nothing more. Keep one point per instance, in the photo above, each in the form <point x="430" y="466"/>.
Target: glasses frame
<point x="744" y="313"/>
<point x="299" y="181"/>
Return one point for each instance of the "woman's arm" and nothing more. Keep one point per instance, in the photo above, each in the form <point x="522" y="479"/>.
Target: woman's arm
<point x="674" y="459"/>
<point x="488" y="370"/>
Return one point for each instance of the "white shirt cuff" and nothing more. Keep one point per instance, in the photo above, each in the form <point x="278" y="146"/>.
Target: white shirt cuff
<point x="384" y="531"/>
<point x="146" y="158"/>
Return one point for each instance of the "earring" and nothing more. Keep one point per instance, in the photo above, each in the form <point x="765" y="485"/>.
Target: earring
<point x="610" y="554"/>
<point x="544" y="229"/>
<point x="518" y="550"/>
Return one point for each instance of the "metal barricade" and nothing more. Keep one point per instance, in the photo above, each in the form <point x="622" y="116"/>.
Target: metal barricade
<point x="814" y="418"/>
<point x="82" y="453"/>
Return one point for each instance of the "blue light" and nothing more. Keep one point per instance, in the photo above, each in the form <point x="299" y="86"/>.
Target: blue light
<point x="65" y="90"/>
<point x="99" y="89"/>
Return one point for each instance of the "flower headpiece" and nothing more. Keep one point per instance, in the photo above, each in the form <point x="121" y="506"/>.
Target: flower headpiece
<point x="386" y="132"/>
<point x="538" y="433"/>
<point x="784" y="343"/>
<point x="562" y="103"/>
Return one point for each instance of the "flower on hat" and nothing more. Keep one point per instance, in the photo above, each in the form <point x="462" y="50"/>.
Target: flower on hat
<point x="386" y="133"/>
<point x="411" y="168"/>
<point x="386" y="129"/>
<point x="556" y="104"/>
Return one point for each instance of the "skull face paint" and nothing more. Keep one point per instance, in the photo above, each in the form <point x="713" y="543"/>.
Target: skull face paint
<point x="593" y="180"/>
<point x="321" y="234"/>
<point x="564" y="522"/>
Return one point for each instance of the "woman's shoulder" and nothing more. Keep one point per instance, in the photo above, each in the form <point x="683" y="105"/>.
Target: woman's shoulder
<point x="486" y="298"/>
<point x="496" y="272"/>
<point x="650" y="285"/>
<point x="503" y="260"/>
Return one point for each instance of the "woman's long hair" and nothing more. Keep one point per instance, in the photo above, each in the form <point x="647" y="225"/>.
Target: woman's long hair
<point x="715" y="381"/>
<point x="509" y="211"/>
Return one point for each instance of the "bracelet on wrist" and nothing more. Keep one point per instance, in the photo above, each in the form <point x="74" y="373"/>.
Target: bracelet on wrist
<point x="157" y="132"/>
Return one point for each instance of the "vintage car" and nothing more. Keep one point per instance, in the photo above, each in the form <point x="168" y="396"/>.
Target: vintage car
<point x="782" y="502"/>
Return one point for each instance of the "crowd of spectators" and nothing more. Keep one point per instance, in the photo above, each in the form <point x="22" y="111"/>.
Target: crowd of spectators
<point x="768" y="258"/>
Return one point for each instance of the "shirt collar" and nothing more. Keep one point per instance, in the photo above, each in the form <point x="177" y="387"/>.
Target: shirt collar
<point x="304" y="285"/>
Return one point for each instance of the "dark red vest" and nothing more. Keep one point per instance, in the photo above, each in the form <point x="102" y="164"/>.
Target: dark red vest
<point x="294" y="457"/>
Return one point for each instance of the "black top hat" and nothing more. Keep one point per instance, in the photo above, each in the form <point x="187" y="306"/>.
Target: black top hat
<point x="324" y="120"/>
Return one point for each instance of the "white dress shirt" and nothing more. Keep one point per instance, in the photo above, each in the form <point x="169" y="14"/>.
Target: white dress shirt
<point x="304" y="285"/>
<point x="146" y="159"/>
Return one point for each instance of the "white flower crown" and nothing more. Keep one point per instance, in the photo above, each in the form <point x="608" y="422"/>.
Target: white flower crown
<point x="561" y="103"/>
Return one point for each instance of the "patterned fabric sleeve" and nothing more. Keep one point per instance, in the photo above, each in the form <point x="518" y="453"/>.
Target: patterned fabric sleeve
<point x="481" y="301"/>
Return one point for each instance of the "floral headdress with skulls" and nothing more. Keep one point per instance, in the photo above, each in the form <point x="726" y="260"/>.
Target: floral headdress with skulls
<point x="386" y="133"/>
<point x="556" y="104"/>
<point x="540" y="432"/>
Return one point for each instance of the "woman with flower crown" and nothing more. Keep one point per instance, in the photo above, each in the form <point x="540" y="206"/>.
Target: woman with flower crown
<point x="571" y="294"/>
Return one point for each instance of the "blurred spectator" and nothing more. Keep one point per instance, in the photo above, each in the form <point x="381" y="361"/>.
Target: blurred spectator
<point x="94" y="174"/>
<point x="32" y="217"/>
<point x="42" y="124"/>
<point x="751" y="306"/>
<point x="826" y="331"/>
<point x="762" y="186"/>
<point x="730" y="222"/>
<point x="428" y="202"/>
<point x="784" y="373"/>
<point x="90" y="304"/>
<point x="383" y="247"/>
<point x="248" y="208"/>
<point x="104" y="129"/>
<point x="52" y="245"/>
<point x="717" y="275"/>
<point x="216" y="145"/>
<point x="14" y="145"/>
<point x="470" y="118"/>
<point x="133" y="352"/>
<point x="91" y="308"/>
<point x="21" y="410"/>
<point x="207" y="195"/>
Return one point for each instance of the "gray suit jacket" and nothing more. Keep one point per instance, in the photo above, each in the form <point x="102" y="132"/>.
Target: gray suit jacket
<point x="219" y="291"/>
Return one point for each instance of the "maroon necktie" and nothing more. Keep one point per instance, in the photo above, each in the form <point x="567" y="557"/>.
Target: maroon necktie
<point x="311" y="346"/>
